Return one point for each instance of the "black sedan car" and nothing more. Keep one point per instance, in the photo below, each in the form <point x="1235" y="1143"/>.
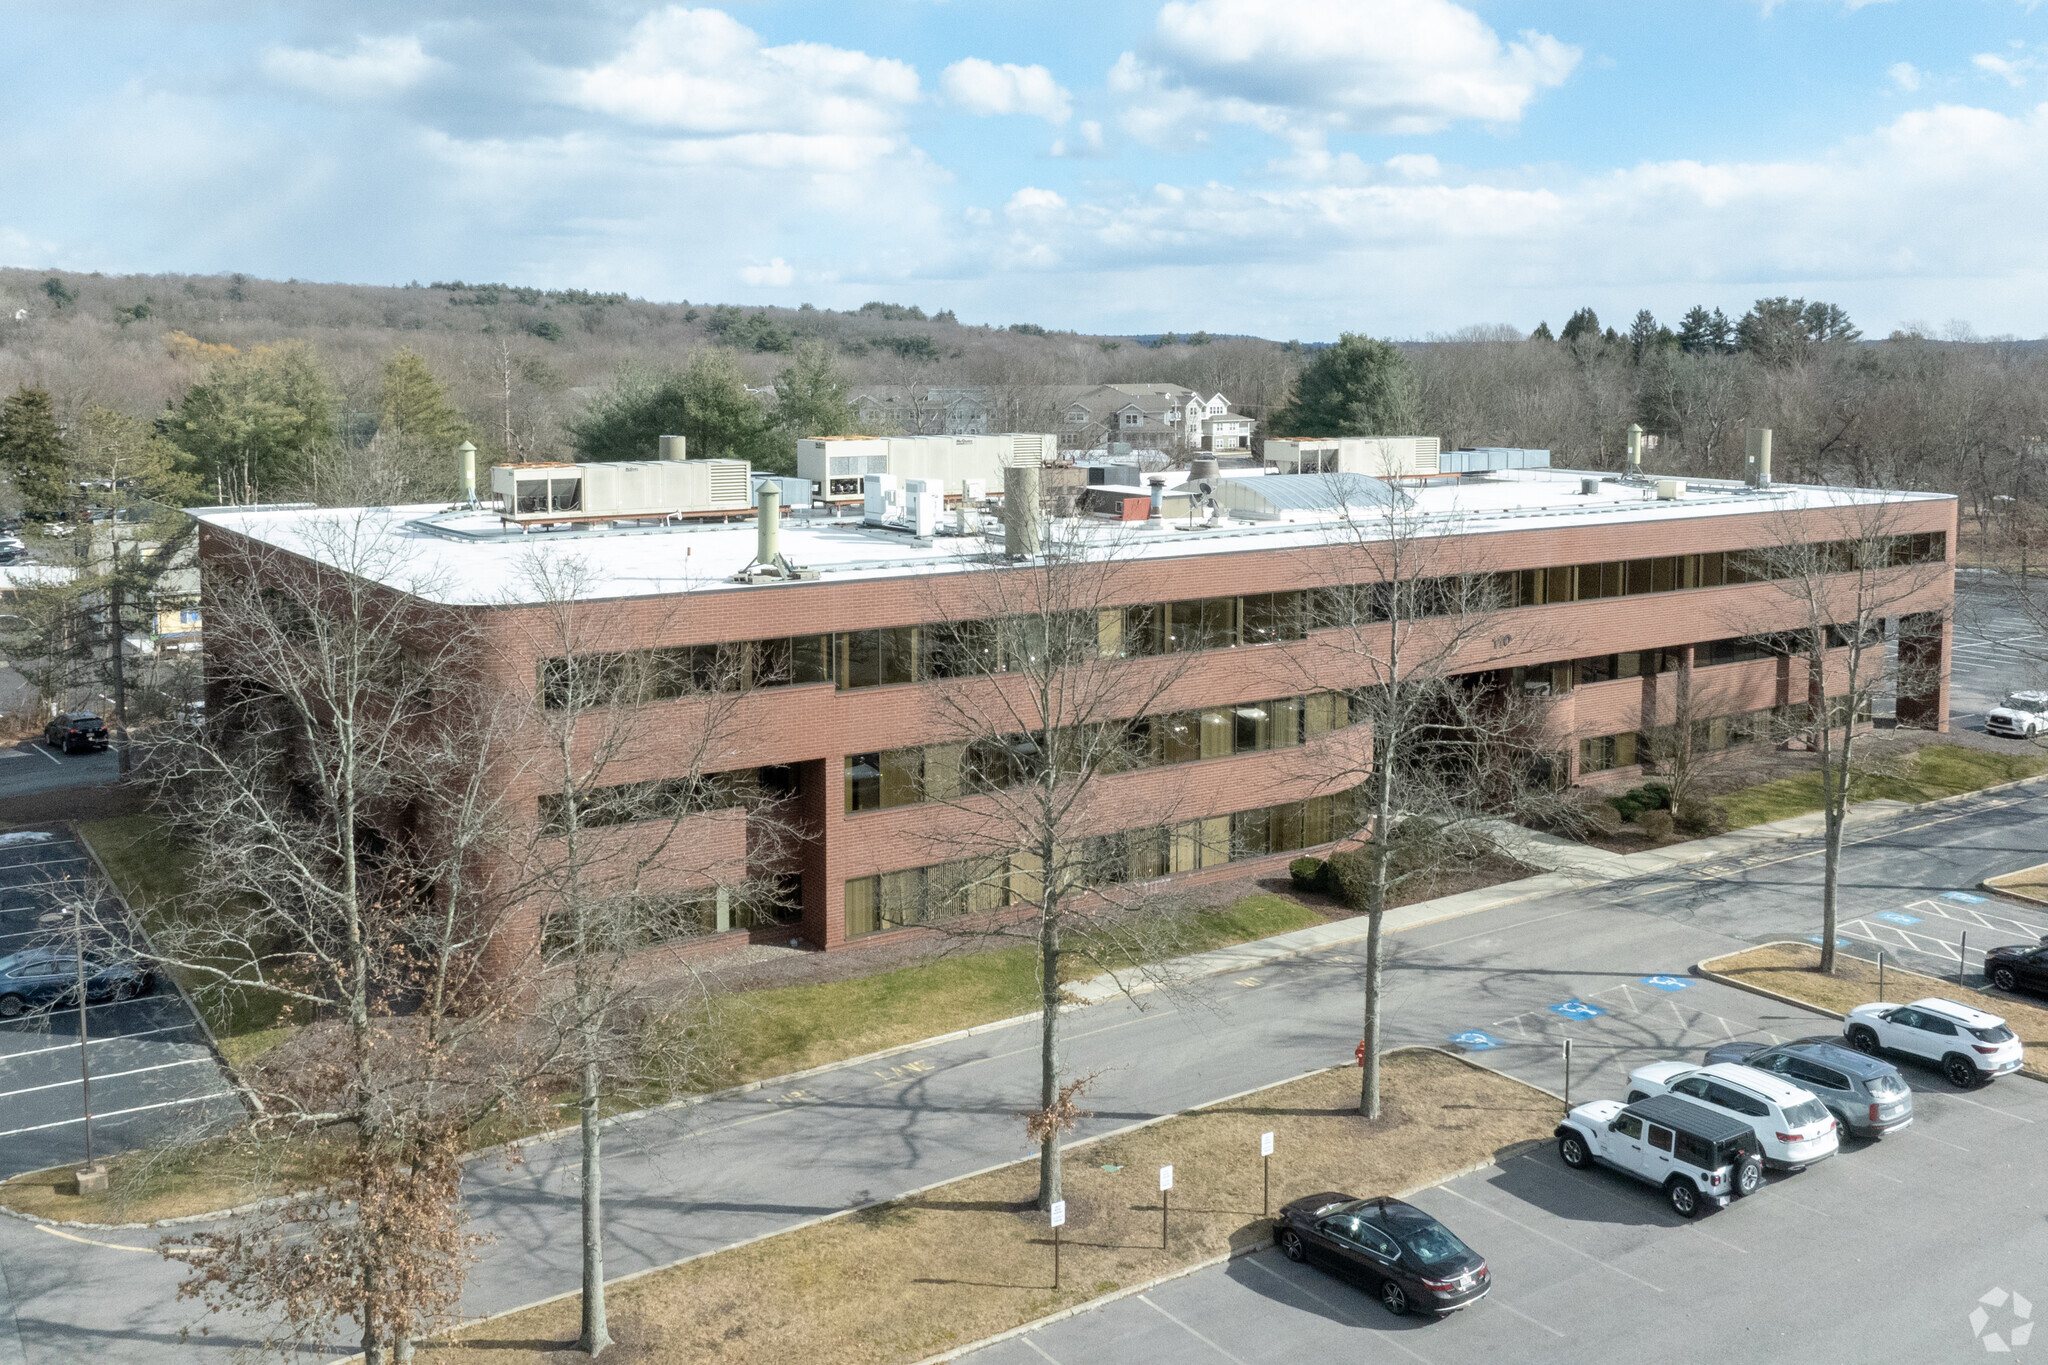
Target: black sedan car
<point x="2018" y="967"/>
<point x="1413" y="1262"/>
<point x="76" y="730"/>
<point x="43" y="978"/>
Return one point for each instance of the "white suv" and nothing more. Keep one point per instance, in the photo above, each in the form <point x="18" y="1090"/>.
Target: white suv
<point x="2024" y="715"/>
<point x="1793" y="1128"/>
<point x="1970" y="1046"/>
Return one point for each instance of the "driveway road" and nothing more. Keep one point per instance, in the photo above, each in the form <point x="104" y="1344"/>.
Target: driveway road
<point x="696" y="1178"/>
<point x="28" y="768"/>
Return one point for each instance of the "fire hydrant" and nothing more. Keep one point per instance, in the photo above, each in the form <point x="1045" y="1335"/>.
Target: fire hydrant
<point x="1361" y="1052"/>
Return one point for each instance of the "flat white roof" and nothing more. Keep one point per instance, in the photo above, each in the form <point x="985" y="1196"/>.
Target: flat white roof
<point x="462" y="557"/>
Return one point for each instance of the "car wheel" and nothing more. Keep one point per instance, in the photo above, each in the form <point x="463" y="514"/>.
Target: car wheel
<point x="123" y="989"/>
<point x="12" y="1006"/>
<point x="1291" y="1247"/>
<point x="1685" y="1200"/>
<point x="1394" y="1298"/>
<point x="1571" y="1149"/>
<point x="1960" y="1070"/>
<point x="1864" y="1039"/>
<point x="1749" y="1176"/>
<point x="2003" y="978"/>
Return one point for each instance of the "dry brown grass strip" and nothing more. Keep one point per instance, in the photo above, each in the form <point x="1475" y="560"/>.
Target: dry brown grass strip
<point x="1792" y="969"/>
<point x="2027" y="884"/>
<point x="905" y="1280"/>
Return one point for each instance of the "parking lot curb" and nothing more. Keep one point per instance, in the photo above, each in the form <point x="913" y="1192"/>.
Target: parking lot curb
<point x="1703" y="970"/>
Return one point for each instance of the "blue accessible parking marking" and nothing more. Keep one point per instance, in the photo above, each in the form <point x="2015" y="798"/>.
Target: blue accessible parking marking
<point x="1472" y="1040"/>
<point x="1963" y="896"/>
<point x="1839" y="943"/>
<point x="1577" y="1009"/>
<point x="1666" y="983"/>
<point x="1894" y="917"/>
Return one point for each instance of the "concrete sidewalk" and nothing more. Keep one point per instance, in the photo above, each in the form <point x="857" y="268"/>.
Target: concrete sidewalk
<point x="1571" y="866"/>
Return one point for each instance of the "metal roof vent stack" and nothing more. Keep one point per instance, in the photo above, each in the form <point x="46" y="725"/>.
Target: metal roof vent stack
<point x="769" y="566"/>
<point x="1020" y="510"/>
<point x="1635" y="450"/>
<point x="1204" y="467"/>
<point x="1158" y="483"/>
<point x="467" y="457"/>
<point x="672" y="447"/>
<point x="1756" y="465"/>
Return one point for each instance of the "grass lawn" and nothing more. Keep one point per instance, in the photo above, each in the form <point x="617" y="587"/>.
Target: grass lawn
<point x="904" y="1280"/>
<point x="1936" y="770"/>
<point x="2029" y="883"/>
<point x="1790" y="969"/>
<point x="792" y="1028"/>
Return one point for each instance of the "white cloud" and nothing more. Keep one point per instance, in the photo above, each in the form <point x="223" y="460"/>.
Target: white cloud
<point x="1904" y="75"/>
<point x="777" y="273"/>
<point x="701" y="72"/>
<point x="982" y="87"/>
<point x="1032" y="202"/>
<point x="1303" y="68"/>
<point x="2012" y="70"/>
<point x="1088" y="143"/>
<point x="377" y="67"/>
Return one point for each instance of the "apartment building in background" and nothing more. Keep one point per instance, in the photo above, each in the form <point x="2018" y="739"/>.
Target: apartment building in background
<point x="1612" y="587"/>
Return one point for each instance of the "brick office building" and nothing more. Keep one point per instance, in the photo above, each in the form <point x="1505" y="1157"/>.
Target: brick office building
<point x="1612" y="587"/>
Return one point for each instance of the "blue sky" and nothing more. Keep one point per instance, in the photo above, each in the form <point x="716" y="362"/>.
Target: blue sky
<point x="1287" y="167"/>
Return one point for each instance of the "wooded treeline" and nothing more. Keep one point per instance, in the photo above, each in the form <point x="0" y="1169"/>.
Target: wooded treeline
<point x="345" y="393"/>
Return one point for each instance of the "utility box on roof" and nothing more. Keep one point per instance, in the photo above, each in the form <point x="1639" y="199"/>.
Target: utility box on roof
<point x="837" y="464"/>
<point x="623" y="490"/>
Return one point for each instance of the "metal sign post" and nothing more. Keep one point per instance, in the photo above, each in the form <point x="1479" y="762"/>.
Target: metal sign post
<point x="1880" y="974"/>
<point x="1165" y="1201"/>
<point x="1567" y="1073"/>
<point x="1963" y="957"/>
<point x="1059" y="1220"/>
<point x="1266" y="1180"/>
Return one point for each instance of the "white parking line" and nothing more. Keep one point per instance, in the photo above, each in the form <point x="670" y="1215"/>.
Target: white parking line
<point x="1943" y="1141"/>
<point x="1146" y="1299"/>
<point x="1040" y="1349"/>
<point x="47" y="754"/>
<point x="1533" y="1232"/>
<point x="109" y="1076"/>
<point x="121" y="1113"/>
<point x="1992" y="1108"/>
<point x="1499" y="1302"/>
<point x="6" y="1057"/>
<point x="68" y="1010"/>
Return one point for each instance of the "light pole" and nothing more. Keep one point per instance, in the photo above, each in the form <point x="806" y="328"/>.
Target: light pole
<point x="84" y="1066"/>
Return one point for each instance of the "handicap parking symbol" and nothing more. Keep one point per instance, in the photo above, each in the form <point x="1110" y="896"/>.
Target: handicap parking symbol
<point x="1894" y="917"/>
<point x="1472" y="1040"/>
<point x="1963" y="896"/>
<point x="1577" y="1009"/>
<point x="1839" y="943"/>
<point x="1666" y="983"/>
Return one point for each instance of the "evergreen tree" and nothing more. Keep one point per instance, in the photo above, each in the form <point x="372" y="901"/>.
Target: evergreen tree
<point x="414" y="405"/>
<point x="1584" y="323"/>
<point x="32" y="449"/>
<point x="1542" y="333"/>
<point x="130" y="459"/>
<point x="1359" y="387"/>
<point x="812" y="398"/>
<point x="1642" y="334"/>
<point x="707" y="403"/>
<point x="253" y="416"/>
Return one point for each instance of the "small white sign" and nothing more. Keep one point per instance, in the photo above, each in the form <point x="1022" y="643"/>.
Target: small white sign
<point x="1265" y="1144"/>
<point x="1059" y="1213"/>
<point x="1165" y="1178"/>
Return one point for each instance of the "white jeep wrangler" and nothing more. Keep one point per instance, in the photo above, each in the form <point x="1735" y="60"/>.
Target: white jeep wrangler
<point x="1696" y="1155"/>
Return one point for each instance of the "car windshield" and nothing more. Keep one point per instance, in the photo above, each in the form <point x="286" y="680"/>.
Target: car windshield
<point x="1887" y="1087"/>
<point x="1997" y="1033"/>
<point x="1799" y="1115"/>
<point x="1433" y="1244"/>
<point x="2023" y="701"/>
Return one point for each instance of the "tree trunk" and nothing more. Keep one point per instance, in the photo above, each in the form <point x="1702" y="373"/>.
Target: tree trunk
<point x="1376" y="914"/>
<point x="1049" y="1051"/>
<point x="595" y="1335"/>
<point x="1369" y="1081"/>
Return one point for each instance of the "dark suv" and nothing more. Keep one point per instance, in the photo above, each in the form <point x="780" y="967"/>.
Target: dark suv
<point x="2018" y="967"/>
<point x="75" y="731"/>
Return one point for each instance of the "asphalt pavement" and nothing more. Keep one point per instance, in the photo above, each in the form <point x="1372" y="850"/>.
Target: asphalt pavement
<point x="152" y="1073"/>
<point x="696" y="1178"/>
<point x="29" y="767"/>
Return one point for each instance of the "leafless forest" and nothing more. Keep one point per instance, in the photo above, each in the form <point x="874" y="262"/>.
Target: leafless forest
<point x="520" y="365"/>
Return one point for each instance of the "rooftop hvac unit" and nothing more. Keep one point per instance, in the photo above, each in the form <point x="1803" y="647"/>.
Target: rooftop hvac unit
<point x="627" y="490"/>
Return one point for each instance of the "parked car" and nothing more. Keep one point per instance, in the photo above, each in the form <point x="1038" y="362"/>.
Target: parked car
<point x="2018" y="967"/>
<point x="42" y="978"/>
<point x="1867" y="1095"/>
<point x="1972" y="1048"/>
<point x="1400" y="1253"/>
<point x="76" y="730"/>
<point x="2024" y="715"/>
<point x="1793" y="1129"/>
<point x="1697" y="1155"/>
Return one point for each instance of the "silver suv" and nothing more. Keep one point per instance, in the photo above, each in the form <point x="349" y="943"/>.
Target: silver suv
<point x="1867" y="1095"/>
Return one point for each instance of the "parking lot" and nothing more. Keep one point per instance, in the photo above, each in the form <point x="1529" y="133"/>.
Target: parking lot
<point x="152" y="1073"/>
<point x="1915" y="1249"/>
<point x="29" y="767"/>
